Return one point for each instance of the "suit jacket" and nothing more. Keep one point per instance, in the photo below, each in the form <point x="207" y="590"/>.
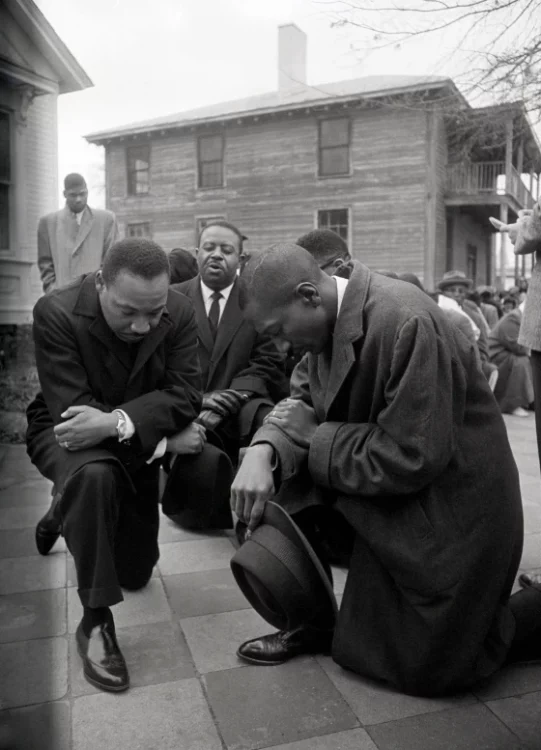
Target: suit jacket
<point x="79" y="362"/>
<point x="66" y="251"/>
<point x="239" y="358"/>
<point x="413" y="450"/>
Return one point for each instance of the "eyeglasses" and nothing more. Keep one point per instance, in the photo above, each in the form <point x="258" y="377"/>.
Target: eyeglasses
<point x="330" y="262"/>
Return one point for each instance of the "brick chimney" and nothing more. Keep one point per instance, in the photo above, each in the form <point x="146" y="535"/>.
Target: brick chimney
<point x="291" y="57"/>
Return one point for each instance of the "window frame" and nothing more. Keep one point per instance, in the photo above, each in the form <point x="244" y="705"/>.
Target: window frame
<point x="131" y="224"/>
<point x="348" y="211"/>
<point x="134" y="172"/>
<point x="207" y="218"/>
<point x="221" y="161"/>
<point x="321" y="148"/>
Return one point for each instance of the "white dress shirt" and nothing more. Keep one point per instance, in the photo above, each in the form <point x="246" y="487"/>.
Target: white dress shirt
<point x="207" y="298"/>
<point x="341" y="285"/>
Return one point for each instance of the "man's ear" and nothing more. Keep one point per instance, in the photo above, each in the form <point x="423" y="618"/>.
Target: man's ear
<point x="100" y="284"/>
<point x="308" y="293"/>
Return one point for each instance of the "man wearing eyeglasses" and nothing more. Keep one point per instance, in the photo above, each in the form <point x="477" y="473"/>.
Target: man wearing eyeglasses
<point x="242" y="372"/>
<point x="74" y="240"/>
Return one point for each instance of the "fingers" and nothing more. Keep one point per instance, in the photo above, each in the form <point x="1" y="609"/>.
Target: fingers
<point x="72" y="411"/>
<point x="499" y="225"/>
<point x="256" y="514"/>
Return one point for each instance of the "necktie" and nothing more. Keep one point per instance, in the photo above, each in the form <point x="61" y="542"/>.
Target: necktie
<point x="214" y="312"/>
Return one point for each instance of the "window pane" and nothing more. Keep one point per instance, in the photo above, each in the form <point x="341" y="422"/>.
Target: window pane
<point x="334" y="132"/>
<point x="138" y="230"/>
<point x="210" y="148"/>
<point x="336" y="219"/>
<point x="4" y="217"/>
<point x="5" y="150"/>
<point x="141" y="183"/>
<point x="334" y="160"/>
<point x="211" y="174"/>
<point x="138" y="157"/>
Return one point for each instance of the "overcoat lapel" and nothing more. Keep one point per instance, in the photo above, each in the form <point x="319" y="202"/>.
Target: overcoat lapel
<point x="349" y="328"/>
<point x="84" y="229"/>
<point x="150" y="343"/>
<point x="230" y="322"/>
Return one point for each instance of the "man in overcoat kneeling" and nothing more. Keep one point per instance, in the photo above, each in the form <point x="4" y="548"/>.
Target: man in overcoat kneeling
<point x="116" y="353"/>
<point x="391" y="424"/>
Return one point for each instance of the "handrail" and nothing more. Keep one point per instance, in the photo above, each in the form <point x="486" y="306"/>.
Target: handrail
<point x="487" y="178"/>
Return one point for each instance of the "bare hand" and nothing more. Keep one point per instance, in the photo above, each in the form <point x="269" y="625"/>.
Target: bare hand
<point x="84" y="427"/>
<point x="188" y="442"/>
<point x="296" y="419"/>
<point x="226" y="403"/>
<point x="253" y="485"/>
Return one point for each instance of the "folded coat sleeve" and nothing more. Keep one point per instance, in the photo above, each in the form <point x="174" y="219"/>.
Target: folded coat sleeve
<point x="413" y="438"/>
<point x="266" y="366"/>
<point x="291" y="458"/>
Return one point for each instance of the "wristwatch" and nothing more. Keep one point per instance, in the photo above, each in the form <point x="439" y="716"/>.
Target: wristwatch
<point x="120" y="425"/>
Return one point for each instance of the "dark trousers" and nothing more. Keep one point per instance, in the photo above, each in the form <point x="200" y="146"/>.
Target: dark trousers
<point x="108" y="517"/>
<point x="535" y="360"/>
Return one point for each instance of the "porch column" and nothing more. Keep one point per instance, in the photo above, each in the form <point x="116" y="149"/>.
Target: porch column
<point x="508" y="156"/>
<point x="500" y="280"/>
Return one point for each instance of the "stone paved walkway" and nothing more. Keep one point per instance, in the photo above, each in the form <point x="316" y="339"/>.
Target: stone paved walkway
<point x="189" y="690"/>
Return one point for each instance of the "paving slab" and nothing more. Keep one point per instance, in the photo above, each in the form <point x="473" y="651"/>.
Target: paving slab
<point x="154" y="653"/>
<point x="510" y="681"/>
<point x="354" y="739"/>
<point x="261" y="706"/>
<point x="46" y="726"/>
<point x="194" y="557"/>
<point x="32" y="573"/>
<point x="138" y="608"/>
<point x="33" y="671"/>
<point x="172" y="716"/>
<point x="205" y="593"/>
<point x="24" y="494"/>
<point x="374" y="703"/>
<point x="468" y="728"/>
<point x="523" y="716"/>
<point x="214" y="639"/>
<point x="20" y="518"/>
<point x="35" y="614"/>
<point x="18" y="543"/>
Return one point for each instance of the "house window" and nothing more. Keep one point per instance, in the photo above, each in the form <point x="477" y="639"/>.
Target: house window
<point x="210" y="158"/>
<point x="471" y="260"/>
<point x="202" y="222"/>
<point x="5" y="179"/>
<point x="140" y="229"/>
<point x="336" y="219"/>
<point x="334" y="142"/>
<point x="138" y="163"/>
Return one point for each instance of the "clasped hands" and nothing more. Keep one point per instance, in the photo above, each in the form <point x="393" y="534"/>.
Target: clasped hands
<point x="254" y="483"/>
<point x="220" y="405"/>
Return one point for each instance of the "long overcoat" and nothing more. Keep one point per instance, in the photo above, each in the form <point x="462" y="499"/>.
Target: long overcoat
<point x="412" y="448"/>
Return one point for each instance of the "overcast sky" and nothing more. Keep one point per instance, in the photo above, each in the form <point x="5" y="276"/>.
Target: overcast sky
<point x="148" y="58"/>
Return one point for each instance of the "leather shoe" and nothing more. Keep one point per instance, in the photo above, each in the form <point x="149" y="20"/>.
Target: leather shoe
<point x="279" y="647"/>
<point x="47" y="532"/>
<point x="103" y="663"/>
<point x="529" y="579"/>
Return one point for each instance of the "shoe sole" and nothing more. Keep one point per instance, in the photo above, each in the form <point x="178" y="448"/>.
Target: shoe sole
<point x="261" y="662"/>
<point x="99" y="685"/>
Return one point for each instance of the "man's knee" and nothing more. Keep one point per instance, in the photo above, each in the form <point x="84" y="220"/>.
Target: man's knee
<point x="131" y="580"/>
<point x="97" y="472"/>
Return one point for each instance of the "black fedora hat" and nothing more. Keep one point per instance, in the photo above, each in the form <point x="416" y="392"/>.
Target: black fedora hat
<point x="281" y="576"/>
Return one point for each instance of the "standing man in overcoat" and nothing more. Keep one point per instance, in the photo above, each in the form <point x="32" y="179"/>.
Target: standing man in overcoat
<point x="393" y="423"/>
<point x="74" y="240"/>
<point x="116" y="353"/>
<point x="243" y="373"/>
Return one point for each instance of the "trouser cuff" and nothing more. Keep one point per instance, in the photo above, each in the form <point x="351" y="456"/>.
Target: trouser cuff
<point x="105" y="597"/>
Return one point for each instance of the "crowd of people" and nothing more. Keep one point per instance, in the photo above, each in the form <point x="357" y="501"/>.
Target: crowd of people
<point x="364" y="407"/>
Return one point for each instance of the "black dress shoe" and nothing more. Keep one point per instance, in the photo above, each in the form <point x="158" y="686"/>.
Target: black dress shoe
<point x="47" y="532"/>
<point x="529" y="579"/>
<point x="279" y="647"/>
<point x="103" y="663"/>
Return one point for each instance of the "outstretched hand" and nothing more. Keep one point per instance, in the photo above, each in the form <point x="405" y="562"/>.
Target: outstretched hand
<point x="525" y="233"/>
<point x="253" y="485"/>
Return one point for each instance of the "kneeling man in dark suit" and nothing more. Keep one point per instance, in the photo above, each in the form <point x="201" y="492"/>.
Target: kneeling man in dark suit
<point x="243" y="372"/>
<point x="116" y="353"/>
<point x="391" y="424"/>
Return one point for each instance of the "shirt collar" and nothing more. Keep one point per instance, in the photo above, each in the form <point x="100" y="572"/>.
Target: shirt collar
<point x="207" y="292"/>
<point x="341" y="285"/>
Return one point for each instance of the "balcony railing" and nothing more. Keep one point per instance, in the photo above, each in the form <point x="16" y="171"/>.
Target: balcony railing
<point x="487" y="178"/>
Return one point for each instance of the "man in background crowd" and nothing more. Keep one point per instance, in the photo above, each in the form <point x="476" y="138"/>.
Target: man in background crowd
<point x="74" y="240"/>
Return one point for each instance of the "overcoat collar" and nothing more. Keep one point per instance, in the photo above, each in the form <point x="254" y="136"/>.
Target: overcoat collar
<point x="88" y="305"/>
<point x="347" y="330"/>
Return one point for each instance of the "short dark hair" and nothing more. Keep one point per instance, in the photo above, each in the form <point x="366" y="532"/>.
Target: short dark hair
<point x="136" y="255"/>
<point x="183" y="265"/>
<point x="74" y="180"/>
<point x="324" y="245"/>
<point x="510" y="298"/>
<point x="226" y="225"/>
